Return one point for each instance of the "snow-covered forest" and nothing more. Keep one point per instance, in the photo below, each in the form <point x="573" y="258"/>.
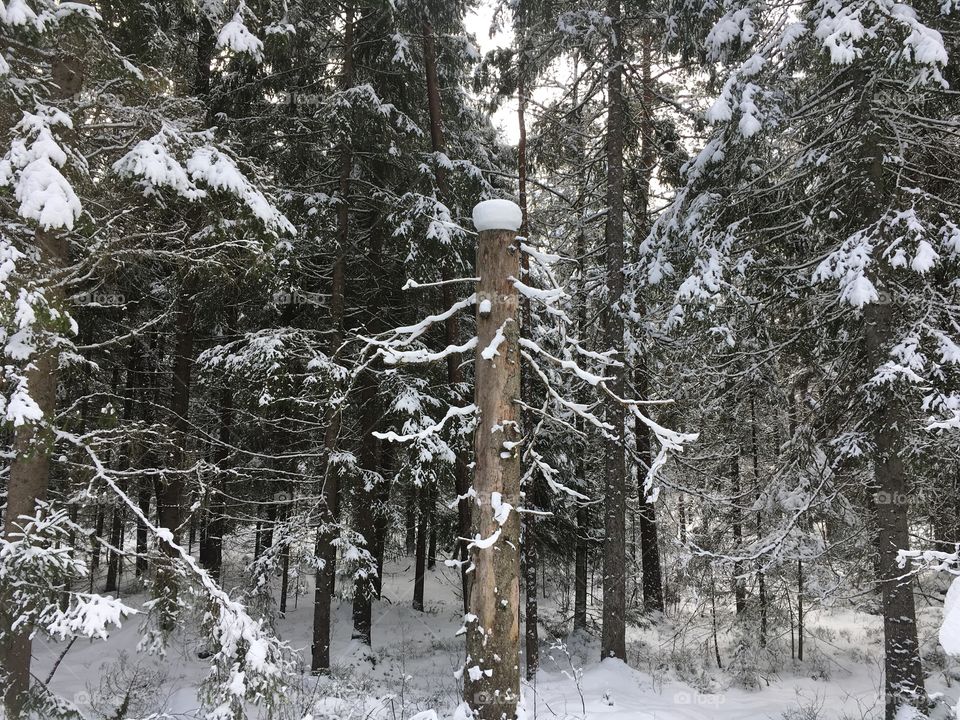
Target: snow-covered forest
<point x="452" y="359"/>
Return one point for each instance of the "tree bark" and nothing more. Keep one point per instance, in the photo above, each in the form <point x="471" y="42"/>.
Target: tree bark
<point x="492" y="677"/>
<point x="613" y="635"/>
<point x="117" y="523"/>
<point x="646" y="516"/>
<point x="461" y="476"/>
<point x="363" y="588"/>
<point x="29" y="478"/>
<point x="329" y="510"/>
<point x="902" y="670"/>
<point x="420" y="562"/>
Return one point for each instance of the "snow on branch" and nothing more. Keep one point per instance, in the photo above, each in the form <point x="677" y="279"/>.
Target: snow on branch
<point x="241" y="641"/>
<point x="452" y="412"/>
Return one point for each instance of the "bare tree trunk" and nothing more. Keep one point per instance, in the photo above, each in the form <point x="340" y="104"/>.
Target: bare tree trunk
<point x="432" y="546"/>
<point x="420" y="563"/>
<point x="761" y="580"/>
<point x="117" y="523"/>
<point x="492" y="677"/>
<point x="902" y="670"/>
<point x="739" y="587"/>
<point x="613" y="636"/>
<point x="451" y="325"/>
<point x="363" y="588"/>
<point x="329" y="510"/>
<point x="382" y="513"/>
<point x="529" y="534"/>
<point x="646" y="516"/>
<point x="580" y="570"/>
<point x="410" y="518"/>
<point x="800" y="610"/>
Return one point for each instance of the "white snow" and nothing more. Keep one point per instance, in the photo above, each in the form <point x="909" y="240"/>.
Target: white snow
<point x="497" y="215"/>
<point x="236" y="37"/>
<point x="950" y="629"/>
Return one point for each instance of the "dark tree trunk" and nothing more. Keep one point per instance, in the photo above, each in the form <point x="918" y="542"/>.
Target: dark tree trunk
<point x="211" y="545"/>
<point x="530" y="566"/>
<point x="580" y="569"/>
<point x="451" y="325"/>
<point x="739" y="586"/>
<point x="28" y="480"/>
<point x="420" y="563"/>
<point x="382" y="514"/>
<point x="329" y="511"/>
<point x="613" y="636"/>
<point x="432" y="546"/>
<point x="902" y="670"/>
<point x="410" y="535"/>
<point x="363" y="588"/>
<point x="143" y="502"/>
<point x="646" y="516"/>
<point x="761" y="579"/>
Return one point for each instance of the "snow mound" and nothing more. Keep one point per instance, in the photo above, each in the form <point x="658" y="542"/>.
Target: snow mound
<point x="497" y="215"/>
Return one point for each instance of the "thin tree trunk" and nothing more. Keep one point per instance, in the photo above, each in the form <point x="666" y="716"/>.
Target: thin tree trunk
<point x="451" y="325"/>
<point x="143" y="502"/>
<point x="580" y="571"/>
<point x="646" y="516"/>
<point x="363" y="587"/>
<point x="116" y="527"/>
<point x="736" y="526"/>
<point x="329" y="510"/>
<point x="211" y="546"/>
<point x="432" y="546"/>
<point x="800" y="610"/>
<point x="382" y="513"/>
<point x="529" y="535"/>
<point x="420" y="563"/>
<point x="761" y="579"/>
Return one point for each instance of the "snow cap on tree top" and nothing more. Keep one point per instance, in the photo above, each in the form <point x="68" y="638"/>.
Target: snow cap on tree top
<point x="497" y="215"/>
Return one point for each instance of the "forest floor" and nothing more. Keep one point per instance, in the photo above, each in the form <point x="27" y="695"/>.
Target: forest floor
<point x="671" y="669"/>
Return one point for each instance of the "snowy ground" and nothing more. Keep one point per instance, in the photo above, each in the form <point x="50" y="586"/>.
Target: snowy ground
<point x="672" y="672"/>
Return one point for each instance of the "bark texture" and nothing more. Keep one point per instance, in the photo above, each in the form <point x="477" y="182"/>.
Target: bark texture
<point x="492" y="672"/>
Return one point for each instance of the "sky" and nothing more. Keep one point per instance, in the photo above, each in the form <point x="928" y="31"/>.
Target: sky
<point x="478" y="23"/>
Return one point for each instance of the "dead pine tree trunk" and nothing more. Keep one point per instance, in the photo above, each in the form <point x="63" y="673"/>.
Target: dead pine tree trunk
<point x="329" y="510"/>
<point x="491" y="672"/>
<point x="613" y="635"/>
